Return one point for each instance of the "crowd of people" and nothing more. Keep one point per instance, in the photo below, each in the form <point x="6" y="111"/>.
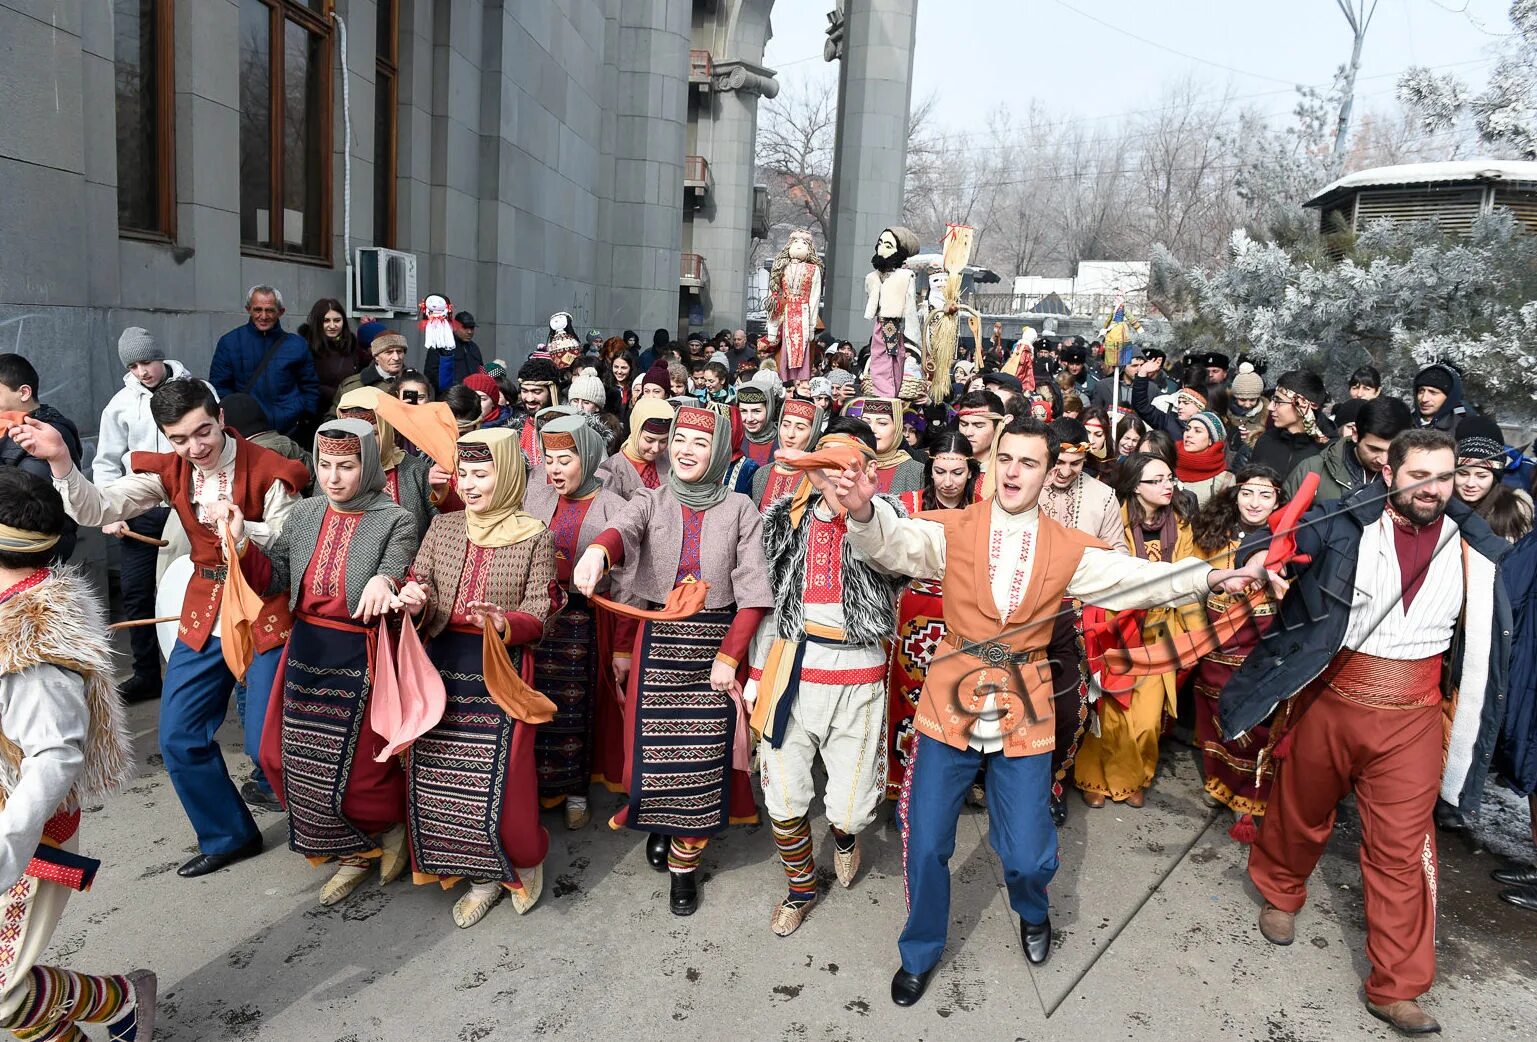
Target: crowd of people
<point x="451" y="598"/>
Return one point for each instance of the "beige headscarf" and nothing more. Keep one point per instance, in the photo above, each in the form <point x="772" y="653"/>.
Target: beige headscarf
<point x="390" y="452"/>
<point x="645" y="409"/>
<point x="504" y="523"/>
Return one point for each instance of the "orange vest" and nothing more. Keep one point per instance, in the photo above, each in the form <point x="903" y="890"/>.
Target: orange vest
<point x="256" y="469"/>
<point x="957" y="682"/>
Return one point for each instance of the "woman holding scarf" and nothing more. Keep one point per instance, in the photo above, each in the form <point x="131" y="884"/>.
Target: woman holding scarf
<point x="1120" y="760"/>
<point x="407" y="479"/>
<point x="474" y="800"/>
<point x="687" y="778"/>
<point x="1201" y="457"/>
<point x="341" y="556"/>
<point x="800" y="425"/>
<point x="574" y="666"/>
<point x="641" y="462"/>
<point x="896" y="471"/>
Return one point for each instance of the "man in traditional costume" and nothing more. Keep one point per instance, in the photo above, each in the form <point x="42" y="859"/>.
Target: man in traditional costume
<point x="800" y="425"/>
<point x="1398" y="622"/>
<point x="641" y="462"/>
<point x="687" y="778"/>
<point x="341" y="558"/>
<point x="573" y="668"/>
<point x="63" y="743"/>
<point x="538" y="388"/>
<point x="483" y="584"/>
<point x="1074" y="500"/>
<point x="818" y="680"/>
<point x="1005" y="571"/>
<point x="896" y="471"/>
<point x="210" y="473"/>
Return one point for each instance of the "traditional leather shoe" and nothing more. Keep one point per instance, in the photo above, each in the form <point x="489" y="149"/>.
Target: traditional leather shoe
<point x="1406" y="1016"/>
<point x="1092" y="799"/>
<point x="396" y="857"/>
<point x="1036" y="937"/>
<point x="260" y="798"/>
<point x="789" y="915"/>
<point x="656" y="851"/>
<point x="1276" y="926"/>
<point x="1136" y="799"/>
<point x="908" y="988"/>
<point x="138" y="1024"/>
<point x="684" y="896"/>
<point x="473" y="906"/>
<point x="1449" y="819"/>
<point x="347" y="879"/>
<point x="526" y="896"/>
<point x="577" y="814"/>
<point x="846" y="864"/>
<point x="206" y="863"/>
<point x="1058" y="811"/>
<point x="1516" y="875"/>
<point x="1521" y="897"/>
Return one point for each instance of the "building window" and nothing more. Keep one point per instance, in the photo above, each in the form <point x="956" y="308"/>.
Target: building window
<point x="386" y="78"/>
<point x="285" y="127"/>
<point x="146" y="103"/>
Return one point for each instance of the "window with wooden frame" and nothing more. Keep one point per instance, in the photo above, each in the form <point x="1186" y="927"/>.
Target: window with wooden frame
<point x="386" y="120"/>
<point x="145" y="88"/>
<point x="285" y="128"/>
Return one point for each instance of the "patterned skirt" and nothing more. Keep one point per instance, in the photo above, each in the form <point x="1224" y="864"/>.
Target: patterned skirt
<point x="1235" y="772"/>
<point x="682" y="730"/>
<point x="336" y="794"/>
<point x="565" y="672"/>
<point x="474" y="807"/>
<point x="920" y="628"/>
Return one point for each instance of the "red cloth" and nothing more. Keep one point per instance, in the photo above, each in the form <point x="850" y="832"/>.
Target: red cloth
<point x="1198" y="466"/>
<point x="1391" y="759"/>
<point x="1416" y="545"/>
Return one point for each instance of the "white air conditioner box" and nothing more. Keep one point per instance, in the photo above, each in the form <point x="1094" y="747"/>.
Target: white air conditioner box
<point x="385" y="280"/>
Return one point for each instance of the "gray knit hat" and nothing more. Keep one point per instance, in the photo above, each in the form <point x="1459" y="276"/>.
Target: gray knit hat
<point x="136" y="345"/>
<point x="587" y="389"/>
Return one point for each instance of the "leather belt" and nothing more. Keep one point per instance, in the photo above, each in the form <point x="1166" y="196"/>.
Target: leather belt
<point x="993" y="652"/>
<point x="217" y="575"/>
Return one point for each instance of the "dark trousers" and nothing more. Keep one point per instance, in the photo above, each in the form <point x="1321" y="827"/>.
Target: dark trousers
<point x="1018" y="827"/>
<point x="136" y="578"/>
<point x="1070" y="704"/>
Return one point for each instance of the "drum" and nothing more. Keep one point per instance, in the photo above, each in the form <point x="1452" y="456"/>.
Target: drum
<point x="168" y="600"/>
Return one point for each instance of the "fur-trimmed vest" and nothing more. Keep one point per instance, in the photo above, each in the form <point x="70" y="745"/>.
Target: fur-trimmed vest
<point x="869" y="597"/>
<point x="60" y="622"/>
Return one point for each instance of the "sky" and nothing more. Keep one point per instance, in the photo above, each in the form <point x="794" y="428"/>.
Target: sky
<point x="1065" y="53"/>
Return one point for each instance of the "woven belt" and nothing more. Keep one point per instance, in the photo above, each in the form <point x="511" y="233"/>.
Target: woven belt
<point x="993" y="652"/>
<point x="1381" y="683"/>
<point x="217" y="575"/>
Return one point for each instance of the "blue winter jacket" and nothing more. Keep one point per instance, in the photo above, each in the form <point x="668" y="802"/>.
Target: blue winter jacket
<point x="288" y="389"/>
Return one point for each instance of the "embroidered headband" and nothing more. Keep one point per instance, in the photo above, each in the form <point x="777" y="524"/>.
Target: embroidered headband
<point x="657" y="425"/>
<point x="800" y="409"/>
<point x="338" y="443"/>
<point x="869" y="407"/>
<point x="751" y="395"/>
<point x="358" y="414"/>
<point x="474" y="452"/>
<point x="1193" y="395"/>
<point x="25" y="541"/>
<point x="980" y="410"/>
<point x="1075" y="446"/>
<point x="690" y="418"/>
<point x="558" y="441"/>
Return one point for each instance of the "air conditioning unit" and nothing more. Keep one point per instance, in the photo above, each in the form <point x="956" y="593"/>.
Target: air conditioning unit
<point x="385" y="280"/>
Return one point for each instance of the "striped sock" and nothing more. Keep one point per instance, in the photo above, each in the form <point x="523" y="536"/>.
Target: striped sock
<point x="683" y="854"/>
<point x="793" y="838"/>
<point x="57" y="999"/>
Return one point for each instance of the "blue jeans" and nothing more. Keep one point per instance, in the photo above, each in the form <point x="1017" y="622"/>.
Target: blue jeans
<point x="1019" y="829"/>
<point x="197" y="690"/>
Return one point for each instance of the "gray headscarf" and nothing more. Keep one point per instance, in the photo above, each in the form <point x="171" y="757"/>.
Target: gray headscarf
<point x="710" y="488"/>
<point x="752" y="393"/>
<point x="589" y="447"/>
<point x="370" y="494"/>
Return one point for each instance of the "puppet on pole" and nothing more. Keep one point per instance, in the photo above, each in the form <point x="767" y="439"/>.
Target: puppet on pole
<point x="942" y="325"/>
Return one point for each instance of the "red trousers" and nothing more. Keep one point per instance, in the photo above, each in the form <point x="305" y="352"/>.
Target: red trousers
<point x="1391" y="759"/>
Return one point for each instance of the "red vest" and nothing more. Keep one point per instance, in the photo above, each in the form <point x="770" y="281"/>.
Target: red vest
<point x="256" y="469"/>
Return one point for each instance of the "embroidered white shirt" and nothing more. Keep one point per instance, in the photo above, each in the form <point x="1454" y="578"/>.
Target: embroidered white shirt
<point x="1379" y="624"/>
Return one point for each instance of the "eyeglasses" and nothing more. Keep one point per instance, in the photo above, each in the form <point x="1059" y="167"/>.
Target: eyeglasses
<point x="1167" y="479"/>
<point x="412" y="396"/>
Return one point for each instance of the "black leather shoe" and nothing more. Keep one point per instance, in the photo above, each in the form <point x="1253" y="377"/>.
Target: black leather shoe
<point x="260" y="798"/>
<point x="206" y="863"/>
<point x="656" y="851"/>
<point x="1037" y="941"/>
<point x="141" y="689"/>
<point x="908" y="988"/>
<point x="1521" y="897"/>
<point x="684" y="898"/>
<point x="1058" y="811"/>
<point x="1516" y="875"/>
<point x="1449" y="818"/>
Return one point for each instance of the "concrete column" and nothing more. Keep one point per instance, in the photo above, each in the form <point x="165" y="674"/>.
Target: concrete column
<point x="726" y="135"/>
<point x="870" y="162"/>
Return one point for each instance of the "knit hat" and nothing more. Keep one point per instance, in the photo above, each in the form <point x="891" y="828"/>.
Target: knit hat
<point x="1248" y="383"/>
<point x="587" y="389"/>
<point x="839" y="377"/>
<point x="1213" y="424"/>
<point x="385" y="342"/>
<point x="1480" y="442"/>
<point x="496" y="367"/>
<point x="657" y="376"/>
<point x="1437" y="376"/>
<point x="821" y="386"/>
<point x="720" y="356"/>
<point x="137" y="345"/>
<point x="482" y="383"/>
<point x="769" y="381"/>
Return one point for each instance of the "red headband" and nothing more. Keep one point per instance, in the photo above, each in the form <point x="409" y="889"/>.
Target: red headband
<point x="690" y="418"/>
<point x="800" y="409"/>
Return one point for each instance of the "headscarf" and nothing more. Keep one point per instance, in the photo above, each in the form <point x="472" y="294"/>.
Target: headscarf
<point x="752" y="393"/>
<point x="366" y="399"/>
<point x="356" y="438"/>
<point x="646" y="410"/>
<point x="859" y="408"/>
<point x="710" y="488"/>
<point x="575" y="434"/>
<point x="504" y="523"/>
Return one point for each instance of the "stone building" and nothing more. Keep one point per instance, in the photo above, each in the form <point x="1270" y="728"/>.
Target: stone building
<point x="160" y="156"/>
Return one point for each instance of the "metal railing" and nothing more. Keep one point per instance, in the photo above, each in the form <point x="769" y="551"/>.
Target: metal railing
<point x="1094" y="306"/>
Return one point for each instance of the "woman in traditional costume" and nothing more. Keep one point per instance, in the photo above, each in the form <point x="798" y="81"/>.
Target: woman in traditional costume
<point x="641" y="461"/>
<point x="474" y="803"/>
<point x="896" y="471"/>
<point x="949" y="484"/>
<point x="686" y="777"/>
<point x="574" y="666"/>
<point x="800" y="425"/>
<point x="1237" y="771"/>
<point x="407" y="479"/>
<point x="1119" y="761"/>
<point x="742" y="468"/>
<point x="341" y="556"/>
